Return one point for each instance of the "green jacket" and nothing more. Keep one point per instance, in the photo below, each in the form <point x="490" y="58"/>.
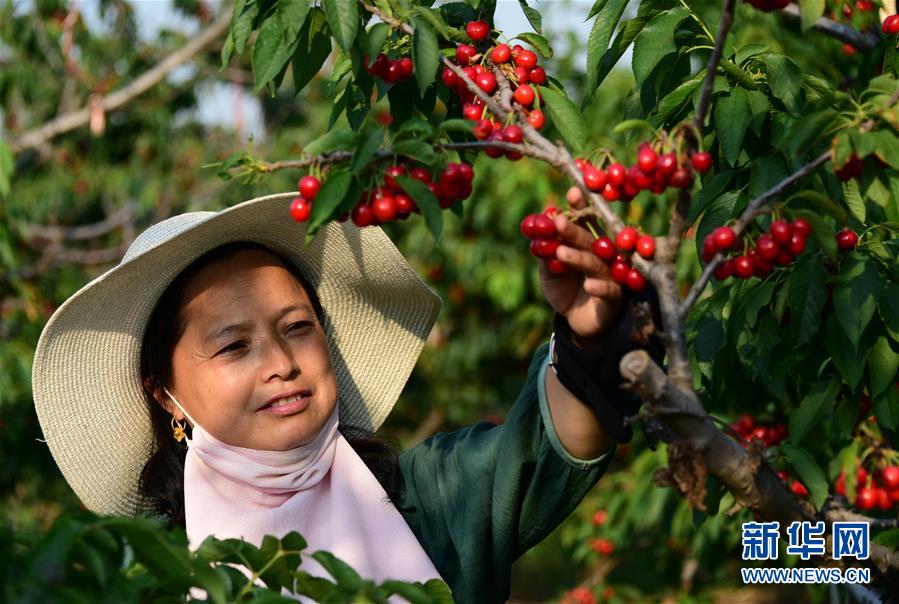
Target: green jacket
<point x="479" y="497"/>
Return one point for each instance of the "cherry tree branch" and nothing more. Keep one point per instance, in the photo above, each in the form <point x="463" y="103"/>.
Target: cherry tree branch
<point x="727" y="19"/>
<point x="865" y="41"/>
<point x="70" y="121"/>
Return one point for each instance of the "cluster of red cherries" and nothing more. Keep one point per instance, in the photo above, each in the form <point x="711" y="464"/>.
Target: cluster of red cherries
<point x="391" y="70"/>
<point x="880" y="490"/>
<point x="653" y="172"/>
<point x="389" y="201"/>
<point x="519" y="65"/>
<point x="780" y="246"/>
<point x="768" y="5"/>
<point x="541" y="230"/>
<point x="851" y="169"/>
<point x="617" y="255"/>
<point x="795" y="486"/>
<point x="748" y="429"/>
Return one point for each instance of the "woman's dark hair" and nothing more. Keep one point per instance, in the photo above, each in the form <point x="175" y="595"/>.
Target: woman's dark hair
<point x="162" y="479"/>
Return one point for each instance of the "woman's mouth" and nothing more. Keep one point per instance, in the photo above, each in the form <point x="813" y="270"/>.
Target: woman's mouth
<point x="288" y="405"/>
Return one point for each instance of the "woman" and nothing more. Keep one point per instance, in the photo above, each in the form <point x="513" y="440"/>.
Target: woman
<point x="230" y="378"/>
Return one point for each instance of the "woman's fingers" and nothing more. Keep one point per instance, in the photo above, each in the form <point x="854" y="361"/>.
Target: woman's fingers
<point x="584" y="261"/>
<point x="572" y="234"/>
<point x="603" y="288"/>
<point x="575" y="198"/>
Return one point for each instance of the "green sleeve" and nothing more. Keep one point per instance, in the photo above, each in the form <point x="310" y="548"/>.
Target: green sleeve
<point x="479" y="497"/>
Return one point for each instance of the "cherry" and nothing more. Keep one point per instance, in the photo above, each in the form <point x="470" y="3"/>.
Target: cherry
<point x="617" y="174"/>
<point x="486" y="82"/>
<point x="394" y="72"/>
<point x="521" y="75"/>
<point x="724" y="238"/>
<point x="477" y="30"/>
<point x="537" y="75"/>
<point x="512" y="134"/>
<point x="620" y="271"/>
<point x="762" y="268"/>
<point x="309" y="186"/>
<point x="889" y="477"/>
<point x="861" y="476"/>
<point x="482" y="130"/>
<point x="449" y="77"/>
<point x="600" y="517"/>
<point x="846" y="239"/>
<point x="891" y="25"/>
<point x="390" y="175"/>
<point x="466" y="172"/>
<point x="840" y="485"/>
<point x="866" y="498"/>
<point x="635" y="280"/>
<point x="384" y="208"/>
<point x="594" y="178"/>
<point x="883" y="499"/>
<point x="603" y="547"/>
<point x="526" y="59"/>
<point x="851" y="169"/>
<point x="797" y="244"/>
<point x="524" y="95"/>
<point x="420" y="174"/>
<point x="300" y="209"/>
<point x="646" y="246"/>
<point x="798" y="488"/>
<point x="544" y="248"/>
<point x="780" y="231"/>
<point x="638" y="179"/>
<point x="604" y="248"/>
<point x="544" y="227"/>
<point x="626" y="239"/>
<point x="379" y="66"/>
<point x="556" y="266"/>
<point x="647" y="159"/>
<point x="465" y="54"/>
<point x="743" y="267"/>
<point x="494" y="152"/>
<point x="709" y="249"/>
<point x="682" y="178"/>
<point x="501" y="54"/>
<point x="408" y="67"/>
<point x="362" y="215"/>
<point x="536" y="119"/>
<point x="667" y="164"/>
<point x="472" y="112"/>
<point x="404" y="205"/>
<point x="527" y="226"/>
<point x="724" y="270"/>
<point x="610" y="192"/>
<point x="784" y="257"/>
<point x="766" y="248"/>
<point x="702" y="161"/>
<point x="801" y="226"/>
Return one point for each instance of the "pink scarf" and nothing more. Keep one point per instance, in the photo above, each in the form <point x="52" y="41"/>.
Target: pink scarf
<point x="322" y="489"/>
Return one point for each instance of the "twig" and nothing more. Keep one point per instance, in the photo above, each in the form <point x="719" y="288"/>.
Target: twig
<point x="110" y="102"/>
<point x="727" y="19"/>
<point x="40" y="235"/>
<point x="865" y="41"/>
<point x="743" y="221"/>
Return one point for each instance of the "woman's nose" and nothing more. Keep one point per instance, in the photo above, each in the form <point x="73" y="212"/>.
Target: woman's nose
<point x="279" y="360"/>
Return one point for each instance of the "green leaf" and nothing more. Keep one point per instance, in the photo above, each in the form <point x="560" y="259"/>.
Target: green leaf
<point x="748" y="51"/>
<point x="343" y="17"/>
<point x="711" y="189"/>
<point x="765" y="173"/>
<point x="854" y="200"/>
<point x="426" y="202"/>
<point x="785" y="81"/>
<point x="425" y="54"/>
<point x="674" y="99"/>
<point x="886" y="147"/>
<point x="710" y="338"/>
<point x="855" y="297"/>
<point x="567" y="118"/>
<point x="634" y="124"/>
<point x="732" y="116"/>
<point x="415" y="149"/>
<point x="270" y="53"/>
<point x="227" y="49"/>
<point x="538" y="42"/>
<point x="656" y="41"/>
<point x="410" y="592"/>
<point x="456" y="125"/>
<point x="883" y="363"/>
<point x="808" y="294"/>
<point x="242" y="19"/>
<point x="814" y="407"/>
<point x="6" y="169"/>
<point x="533" y="16"/>
<point x="291" y="16"/>
<point x="318" y="588"/>
<point x="329" y="198"/>
<point x="607" y="19"/>
<point x="366" y="151"/>
<point x="845" y="356"/>
<point x="333" y="140"/>
<point x="889" y="538"/>
<point x="886" y="408"/>
<point x="888" y="306"/>
<point x="312" y="51"/>
<point x="809" y="471"/>
<point x="374" y="40"/>
<point x="597" y="6"/>
<point x="811" y="11"/>
<point x="153" y="549"/>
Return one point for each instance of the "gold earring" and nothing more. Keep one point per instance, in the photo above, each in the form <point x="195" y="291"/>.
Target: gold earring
<point x="178" y="429"/>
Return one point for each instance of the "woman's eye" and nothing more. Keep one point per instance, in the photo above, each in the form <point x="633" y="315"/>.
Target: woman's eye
<point x="298" y="325"/>
<point x="231" y="346"/>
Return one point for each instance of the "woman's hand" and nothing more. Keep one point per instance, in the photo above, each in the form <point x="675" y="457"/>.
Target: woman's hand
<point x="586" y="295"/>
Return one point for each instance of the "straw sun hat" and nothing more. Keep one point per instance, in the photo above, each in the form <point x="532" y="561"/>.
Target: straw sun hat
<point x="86" y="373"/>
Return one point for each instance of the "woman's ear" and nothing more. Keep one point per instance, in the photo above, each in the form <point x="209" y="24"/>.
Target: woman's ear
<point x="156" y="390"/>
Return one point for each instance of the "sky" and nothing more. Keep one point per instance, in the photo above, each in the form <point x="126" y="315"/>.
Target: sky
<point x="229" y="106"/>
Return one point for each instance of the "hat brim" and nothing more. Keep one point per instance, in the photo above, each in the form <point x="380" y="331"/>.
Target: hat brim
<point x="86" y="373"/>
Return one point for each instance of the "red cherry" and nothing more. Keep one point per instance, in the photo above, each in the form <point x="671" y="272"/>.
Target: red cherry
<point x="556" y="266"/>
<point x="766" y="248"/>
<point x="450" y="173"/>
<point x="797" y="244"/>
<point x="780" y="231"/>
<point x="465" y="54"/>
<point x="404" y="205"/>
<point x="309" y="186"/>
<point x="379" y="66"/>
<point x="384" y="208"/>
<point x="620" y="271"/>
<point x="604" y="248"/>
<point x="743" y="267"/>
<point x="866" y="498"/>
<point x="784" y="257"/>
<point x="524" y="95"/>
<point x="762" y="268"/>
<point x="512" y="134"/>
<point x="610" y="192"/>
<point x="647" y="159"/>
<point x="501" y="53"/>
<point x="545" y="248"/>
<point x="390" y="175"/>
<point x="667" y="164"/>
<point x="482" y="130"/>
<point x="521" y="75"/>
<point x="883" y="499"/>
<point x="494" y="152"/>
<point x="702" y="161"/>
<point x="420" y="174"/>
<point x="682" y="178"/>
<point x="646" y="246"/>
<point x="889" y="477"/>
<point x="840" y="484"/>
<point x="394" y="72"/>
<point x="801" y="226"/>
<point x="544" y="227"/>
<point x="300" y="209"/>
<point x="537" y="75"/>
<point x="362" y="215"/>
<point x="600" y="517"/>
<point x="603" y="547"/>
<point x="536" y="119"/>
<point x="724" y="238"/>
<point x="449" y="77"/>
<point x="724" y="270"/>
<point x="861" y="476"/>
<point x="617" y="174"/>
<point x="638" y="179"/>
<point x="466" y="172"/>
<point x="526" y="59"/>
<point x="891" y="25"/>
<point x="486" y="82"/>
<point x="626" y="239"/>
<point x="477" y="30"/>
<point x="472" y="112"/>
<point x="709" y="249"/>
<point x="798" y="488"/>
<point x="527" y="226"/>
<point x="406" y="64"/>
<point x="846" y="239"/>
<point x="635" y="281"/>
<point x="594" y="178"/>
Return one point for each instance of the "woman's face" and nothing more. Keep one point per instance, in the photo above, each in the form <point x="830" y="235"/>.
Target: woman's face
<point x="253" y="366"/>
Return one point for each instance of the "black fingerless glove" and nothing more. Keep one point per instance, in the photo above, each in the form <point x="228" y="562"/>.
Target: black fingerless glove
<point x="593" y="376"/>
